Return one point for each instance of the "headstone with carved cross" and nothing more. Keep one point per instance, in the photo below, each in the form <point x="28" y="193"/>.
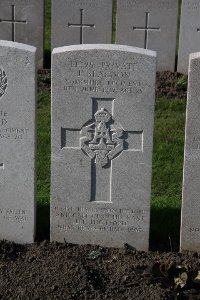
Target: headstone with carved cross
<point x="81" y="22"/>
<point x="17" y="142"/>
<point x="102" y="132"/>
<point x="189" y="40"/>
<point x="149" y="24"/>
<point x="22" y="21"/>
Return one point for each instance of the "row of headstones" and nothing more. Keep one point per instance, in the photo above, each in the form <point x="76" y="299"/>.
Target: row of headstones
<point x="148" y="24"/>
<point x="102" y="135"/>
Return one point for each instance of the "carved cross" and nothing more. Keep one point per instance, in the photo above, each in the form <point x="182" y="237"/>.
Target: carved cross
<point x="13" y="21"/>
<point x="102" y="143"/>
<point x="146" y="29"/>
<point x="81" y="25"/>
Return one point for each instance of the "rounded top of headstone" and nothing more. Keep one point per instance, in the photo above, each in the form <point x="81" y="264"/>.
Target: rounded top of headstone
<point x="19" y="46"/>
<point x="108" y="47"/>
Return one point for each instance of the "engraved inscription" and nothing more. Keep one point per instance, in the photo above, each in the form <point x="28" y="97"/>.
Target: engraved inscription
<point x="14" y="215"/>
<point x="102" y="76"/>
<point x="100" y="219"/>
<point x="3" y="82"/>
<point x="194" y="230"/>
<point x="100" y="141"/>
<point x="8" y="132"/>
<point x="196" y="142"/>
<point x="85" y="3"/>
<point x="191" y="5"/>
<point x="133" y="4"/>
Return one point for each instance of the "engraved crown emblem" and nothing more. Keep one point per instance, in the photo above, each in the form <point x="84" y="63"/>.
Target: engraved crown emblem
<point x="100" y="140"/>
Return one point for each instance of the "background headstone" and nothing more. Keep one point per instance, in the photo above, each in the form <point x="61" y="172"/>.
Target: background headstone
<point x="190" y="223"/>
<point x="189" y="41"/>
<point x="17" y="142"/>
<point x="102" y="132"/>
<point x="81" y="22"/>
<point x="22" y="21"/>
<point x="149" y="24"/>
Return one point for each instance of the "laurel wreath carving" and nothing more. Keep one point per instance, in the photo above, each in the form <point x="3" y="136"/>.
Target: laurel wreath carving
<point x="3" y="82"/>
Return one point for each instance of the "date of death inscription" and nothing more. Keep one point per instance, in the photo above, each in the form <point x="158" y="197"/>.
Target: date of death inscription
<point x="100" y="219"/>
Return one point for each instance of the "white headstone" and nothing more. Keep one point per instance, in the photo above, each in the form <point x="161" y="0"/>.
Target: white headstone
<point x="17" y="142"/>
<point x="102" y="132"/>
<point x="149" y="24"/>
<point x="81" y="22"/>
<point x="22" y="21"/>
<point x="190" y="223"/>
<point x="189" y="41"/>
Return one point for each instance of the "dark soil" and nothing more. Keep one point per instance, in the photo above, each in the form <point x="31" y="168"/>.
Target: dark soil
<point x="70" y="272"/>
<point x="168" y="84"/>
<point x="171" y="85"/>
<point x="73" y="272"/>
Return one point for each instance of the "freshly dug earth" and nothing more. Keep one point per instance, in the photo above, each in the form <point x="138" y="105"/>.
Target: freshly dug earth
<point x="65" y="271"/>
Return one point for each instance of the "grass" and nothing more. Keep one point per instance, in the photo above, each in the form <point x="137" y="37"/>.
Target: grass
<point x="167" y="159"/>
<point x="167" y="169"/>
<point x="43" y="163"/>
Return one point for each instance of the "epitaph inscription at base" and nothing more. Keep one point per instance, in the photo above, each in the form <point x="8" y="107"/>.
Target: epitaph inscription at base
<point x="102" y="131"/>
<point x="17" y="142"/>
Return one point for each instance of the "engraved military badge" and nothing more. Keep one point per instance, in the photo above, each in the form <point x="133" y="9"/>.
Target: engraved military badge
<point x="102" y="140"/>
<point x="3" y="82"/>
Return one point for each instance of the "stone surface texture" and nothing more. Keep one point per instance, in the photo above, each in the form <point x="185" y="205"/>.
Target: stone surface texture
<point x="189" y="41"/>
<point x="102" y="132"/>
<point x="190" y="223"/>
<point x="22" y="21"/>
<point x="94" y="15"/>
<point x="160" y="17"/>
<point x="17" y="142"/>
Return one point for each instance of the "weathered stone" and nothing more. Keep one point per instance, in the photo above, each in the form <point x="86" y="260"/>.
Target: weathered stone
<point x="22" y="21"/>
<point x="17" y="142"/>
<point x="189" y="41"/>
<point x="81" y="22"/>
<point x="102" y="132"/>
<point x="190" y="223"/>
<point x="149" y="24"/>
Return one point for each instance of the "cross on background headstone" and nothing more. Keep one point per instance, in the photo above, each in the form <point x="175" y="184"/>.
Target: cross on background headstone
<point x="101" y="177"/>
<point x="81" y="25"/>
<point x="146" y="29"/>
<point x="13" y="21"/>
